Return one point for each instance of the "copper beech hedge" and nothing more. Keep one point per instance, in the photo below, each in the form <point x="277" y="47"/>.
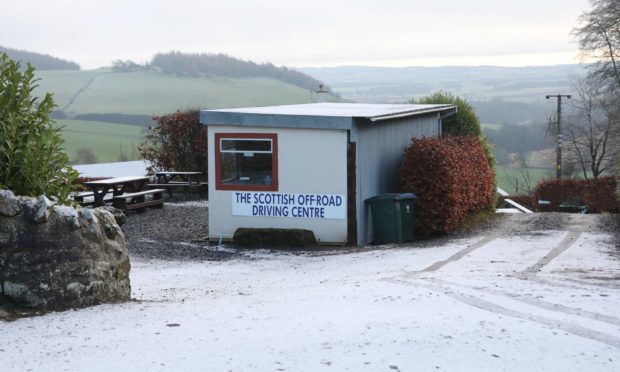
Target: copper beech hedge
<point x="597" y="194"/>
<point x="451" y="178"/>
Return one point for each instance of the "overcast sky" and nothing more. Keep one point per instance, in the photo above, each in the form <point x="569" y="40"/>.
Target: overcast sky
<point x="299" y="33"/>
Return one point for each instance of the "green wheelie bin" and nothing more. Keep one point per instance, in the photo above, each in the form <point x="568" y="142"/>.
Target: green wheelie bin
<point x="393" y="218"/>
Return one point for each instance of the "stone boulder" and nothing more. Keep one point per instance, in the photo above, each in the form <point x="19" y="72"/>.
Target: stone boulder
<point x="55" y="257"/>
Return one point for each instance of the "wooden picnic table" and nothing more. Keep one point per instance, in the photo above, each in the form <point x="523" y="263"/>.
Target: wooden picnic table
<point x="178" y="180"/>
<point x="118" y="186"/>
<point x="190" y="178"/>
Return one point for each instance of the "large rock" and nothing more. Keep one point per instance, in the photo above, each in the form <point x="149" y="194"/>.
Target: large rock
<point x="55" y="257"/>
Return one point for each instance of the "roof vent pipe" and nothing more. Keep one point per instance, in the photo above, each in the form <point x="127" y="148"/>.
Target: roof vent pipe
<point x="321" y="94"/>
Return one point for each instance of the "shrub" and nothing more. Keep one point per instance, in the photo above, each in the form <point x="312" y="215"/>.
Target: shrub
<point x="451" y="177"/>
<point x="84" y="155"/>
<point x="464" y="123"/>
<point x="177" y="142"/>
<point x="597" y="194"/>
<point x="32" y="161"/>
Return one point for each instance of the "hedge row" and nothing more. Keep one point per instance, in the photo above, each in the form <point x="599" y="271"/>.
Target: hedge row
<point x="451" y="178"/>
<point x="597" y="194"/>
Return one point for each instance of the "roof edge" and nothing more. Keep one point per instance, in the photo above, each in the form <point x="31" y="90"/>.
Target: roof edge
<point x="438" y="108"/>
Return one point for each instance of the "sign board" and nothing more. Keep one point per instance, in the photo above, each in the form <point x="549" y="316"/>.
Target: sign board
<point x="274" y="204"/>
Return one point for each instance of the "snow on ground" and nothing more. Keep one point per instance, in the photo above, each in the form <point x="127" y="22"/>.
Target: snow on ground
<point x="545" y="301"/>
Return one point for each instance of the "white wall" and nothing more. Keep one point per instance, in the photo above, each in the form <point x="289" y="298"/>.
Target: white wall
<point x="310" y="162"/>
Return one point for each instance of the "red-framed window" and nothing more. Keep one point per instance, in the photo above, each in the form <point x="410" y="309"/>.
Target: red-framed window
<point x="246" y="161"/>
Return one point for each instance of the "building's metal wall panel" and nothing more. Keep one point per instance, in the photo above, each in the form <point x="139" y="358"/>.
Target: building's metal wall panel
<point x="380" y="149"/>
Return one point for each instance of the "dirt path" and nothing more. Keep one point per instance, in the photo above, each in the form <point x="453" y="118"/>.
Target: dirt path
<point x="80" y="91"/>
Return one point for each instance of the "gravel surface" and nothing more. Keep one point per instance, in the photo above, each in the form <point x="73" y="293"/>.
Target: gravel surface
<point x="179" y="231"/>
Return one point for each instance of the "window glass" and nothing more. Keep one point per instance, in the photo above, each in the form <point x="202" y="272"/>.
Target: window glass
<point x="246" y="163"/>
<point x="245" y="145"/>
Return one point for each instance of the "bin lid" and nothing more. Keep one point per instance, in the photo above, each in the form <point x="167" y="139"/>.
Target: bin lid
<point x="387" y="197"/>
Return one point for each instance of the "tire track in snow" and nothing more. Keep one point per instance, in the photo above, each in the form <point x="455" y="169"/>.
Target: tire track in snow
<point x="545" y="305"/>
<point x="528" y="274"/>
<point x="566" y="243"/>
<point x="501" y="310"/>
<point x="460" y="254"/>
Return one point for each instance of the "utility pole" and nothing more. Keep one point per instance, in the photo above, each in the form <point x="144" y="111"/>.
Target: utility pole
<point x="558" y="158"/>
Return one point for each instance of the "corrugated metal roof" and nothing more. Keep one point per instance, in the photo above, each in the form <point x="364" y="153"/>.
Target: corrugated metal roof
<point x="315" y="115"/>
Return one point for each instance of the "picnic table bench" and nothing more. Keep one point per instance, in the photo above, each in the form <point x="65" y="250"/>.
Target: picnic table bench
<point x="137" y="200"/>
<point x="180" y="180"/>
<point x="80" y="197"/>
<point x="118" y="186"/>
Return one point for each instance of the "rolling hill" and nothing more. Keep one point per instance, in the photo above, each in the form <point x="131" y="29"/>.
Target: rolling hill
<point x="138" y="95"/>
<point x="38" y="60"/>
<point x="154" y="93"/>
<point x="476" y="83"/>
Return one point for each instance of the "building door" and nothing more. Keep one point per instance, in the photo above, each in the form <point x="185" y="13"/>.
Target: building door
<point x="351" y="196"/>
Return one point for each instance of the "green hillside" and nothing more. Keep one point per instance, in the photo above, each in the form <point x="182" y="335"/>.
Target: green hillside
<point x="108" y="142"/>
<point x="150" y="92"/>
<point x="63" y="84"/>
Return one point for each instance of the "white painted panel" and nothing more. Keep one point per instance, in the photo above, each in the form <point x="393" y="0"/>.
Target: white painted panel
<point x="268" y="204"/>
<point x="310" y="162"/>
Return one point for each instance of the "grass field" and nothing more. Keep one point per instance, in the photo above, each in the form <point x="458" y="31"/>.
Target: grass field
<point x="150" y="92"/>
<point x="62" y="84"/>
<point x="106" y="141"/>
<point x="506" y="178"/>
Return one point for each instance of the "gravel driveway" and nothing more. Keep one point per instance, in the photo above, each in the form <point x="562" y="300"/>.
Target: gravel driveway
<point x="179" y="231"/>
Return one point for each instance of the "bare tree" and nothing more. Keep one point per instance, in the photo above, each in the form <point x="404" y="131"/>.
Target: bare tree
<point x="598" y="35"/>
<point x="522" y="164"/>
<point x="593" y="131"/>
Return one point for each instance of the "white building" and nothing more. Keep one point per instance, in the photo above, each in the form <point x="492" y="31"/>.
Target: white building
<point x="309" y="166"/>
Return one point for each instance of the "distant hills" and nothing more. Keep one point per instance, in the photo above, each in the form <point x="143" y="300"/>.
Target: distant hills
<point x="154" y="93"/>
<point x="500" y="95"/>
<point x="101" y="110"/>
<point x="180" y="64"/>
<point x="129" y="93"/>
<point x="40" y="61"/>
<point x="391" y="84"/>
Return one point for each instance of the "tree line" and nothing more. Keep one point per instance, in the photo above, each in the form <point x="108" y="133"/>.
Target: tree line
<point x="204" y="64"/>
<point x="39" y="61"/>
